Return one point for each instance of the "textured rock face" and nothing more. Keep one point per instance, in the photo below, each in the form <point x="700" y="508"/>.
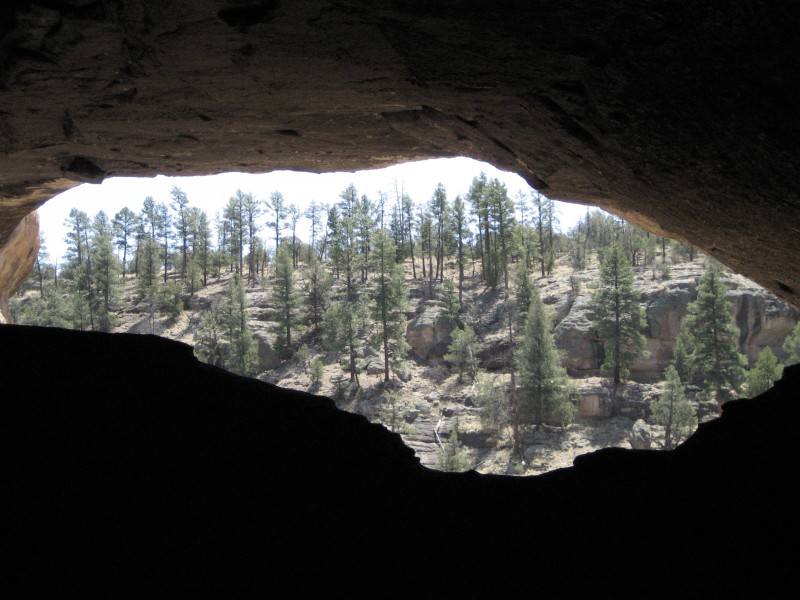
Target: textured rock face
<point x="762" y="319"/>
<point x="428" y="333"/>
<point x="678" y="116"/>
<point x="17" y="258"/>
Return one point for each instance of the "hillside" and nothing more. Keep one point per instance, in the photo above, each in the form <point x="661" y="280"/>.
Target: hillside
<point x="424" y="400"/>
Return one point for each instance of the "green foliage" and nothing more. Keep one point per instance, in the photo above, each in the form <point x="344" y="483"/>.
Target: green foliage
<point x="619" y="318"/>
<point x="715" y="360"/>
<point x="389" y="299"/>
<point x="461" y="352"/>
<point x="791" y="345"/>
<point x="764" y="373"/>
<point x="301" y="356"/>
<point x="450" y="298"/>
<point x="316" y="291"/>
<point x="346" y="324"/>
<point x="316" y="370"/>
<point x="490" y="397"/>
<point x="544" y="386"/>
<point x="673" y="411"/>
<point x="452" y="458"/>
<point x="523" y="288"/>
<point x="286" y="301"/>
<point x="208" y="339"/>
<point x="50" y="311"/>
<point x="242" y="355"/>
<point x="170" y="295"/>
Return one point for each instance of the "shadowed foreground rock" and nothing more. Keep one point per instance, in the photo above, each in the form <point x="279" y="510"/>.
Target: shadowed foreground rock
<point x="132" y="468"/>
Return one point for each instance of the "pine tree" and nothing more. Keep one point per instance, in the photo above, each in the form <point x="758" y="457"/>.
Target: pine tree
<point x="316" y="292"/>
<point x="673" y="411"/>
<point x="523" y="291"/>
<point x="251" y="211"/>
<point x="764" y="373"/>
<point x="715" y="359"/>
<point x="544" y="386"/>
<point x="314" y="214"/>
<point x="124" y="226"/>
<point x="285" y="299"/>
<point x="180" y="204"/>
<point x="346" y="323"/>
<point x="208" y="338"/>
<point x="166" y="235"/>
<point x="461" y="352"/>
<point x="242" y="355"/>
<point x="440" y="213"/>
<point x="461" y="232"/>
<point x="276" y="209"/>
<point x="619" y="319"/>
<point x="236" y="220"/>
<point x="452" y="458"/>
<point x="500" y="214"/>
<point x="390" y="299"/>
<point x="791" y="345"/>
<point x="105" y="270"/>
<point x="490" y="397"/>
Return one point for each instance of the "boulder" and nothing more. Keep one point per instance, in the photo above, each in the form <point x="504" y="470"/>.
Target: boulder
<point x="640" y="437"/>
<point x="402" y="373"/>
<point x="576" y="337"/>
<point x="373" y="365"/>
<point x="429" y="331"/>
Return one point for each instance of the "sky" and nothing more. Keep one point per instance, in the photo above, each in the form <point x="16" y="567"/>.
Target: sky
<point x="210" y="193"/>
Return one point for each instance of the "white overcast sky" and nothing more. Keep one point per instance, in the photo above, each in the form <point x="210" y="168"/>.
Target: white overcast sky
<point x="210" y="193"/>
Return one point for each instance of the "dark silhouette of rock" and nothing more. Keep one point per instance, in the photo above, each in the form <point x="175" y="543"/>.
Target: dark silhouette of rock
<point x="133" y="469"/>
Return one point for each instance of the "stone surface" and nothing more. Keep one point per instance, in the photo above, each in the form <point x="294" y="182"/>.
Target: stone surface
<point x="640" y="437"/>
<point x="428" y="333"/>
<point x="17" y="258"/>
<point x="680" y="117"/>
<point x="763" y="320"/>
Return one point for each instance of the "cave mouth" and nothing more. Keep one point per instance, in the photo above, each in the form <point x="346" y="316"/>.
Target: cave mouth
<point x="452" y="421"/>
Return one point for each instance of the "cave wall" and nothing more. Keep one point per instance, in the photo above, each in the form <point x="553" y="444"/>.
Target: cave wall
<point x="130" y="478"/>
<point x="677" y="116"/>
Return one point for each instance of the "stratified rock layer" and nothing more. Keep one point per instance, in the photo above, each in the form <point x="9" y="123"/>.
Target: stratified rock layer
<point x="763" y="320"/>
<point x="680" y="117"/>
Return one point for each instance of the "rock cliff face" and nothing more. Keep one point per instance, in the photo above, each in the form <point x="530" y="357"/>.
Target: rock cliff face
<point x="763" y="320"/>
<point x="17" y="258"/>
<point x="428" y="333"/>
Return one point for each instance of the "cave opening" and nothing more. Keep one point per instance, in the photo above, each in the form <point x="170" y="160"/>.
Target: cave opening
<point x="455" y="382"/>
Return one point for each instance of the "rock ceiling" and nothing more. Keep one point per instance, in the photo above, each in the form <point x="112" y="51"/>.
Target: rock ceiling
<point x="678" y="116"/>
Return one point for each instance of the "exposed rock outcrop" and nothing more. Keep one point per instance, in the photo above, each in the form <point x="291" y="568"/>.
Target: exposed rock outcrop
<point x="763" y="320"/>
<point x="428" y="333"/>
<point x="17" y="257"/>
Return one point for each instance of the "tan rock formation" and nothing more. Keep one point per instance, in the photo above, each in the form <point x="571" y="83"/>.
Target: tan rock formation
<point x="17" y="257"/>
<point x="763" y="320"/>
<point x="428" y="333"/>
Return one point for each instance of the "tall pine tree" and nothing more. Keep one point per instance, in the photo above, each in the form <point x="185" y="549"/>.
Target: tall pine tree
<point x="619" y="319"/>
<point x="715" y="360"/>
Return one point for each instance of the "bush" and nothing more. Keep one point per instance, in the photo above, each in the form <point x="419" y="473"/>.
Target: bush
<point x="315" y="370"/>
<point x="452" y="458"/>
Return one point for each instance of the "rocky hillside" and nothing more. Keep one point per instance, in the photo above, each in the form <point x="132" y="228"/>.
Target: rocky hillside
<point x="424" y="401"/>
